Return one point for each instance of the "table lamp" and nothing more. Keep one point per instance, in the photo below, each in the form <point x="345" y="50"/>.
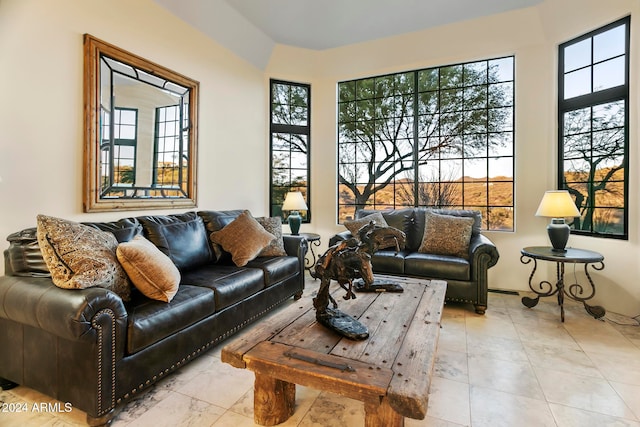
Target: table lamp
<point x="294" y="202"/>
<point x="557" y="205"/>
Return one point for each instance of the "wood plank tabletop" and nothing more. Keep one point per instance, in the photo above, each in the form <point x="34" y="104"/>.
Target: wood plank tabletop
<point x="401" y="348"/>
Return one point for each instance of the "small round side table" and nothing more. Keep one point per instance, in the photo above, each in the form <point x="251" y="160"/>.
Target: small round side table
<point x="574" y="291"/>
<point x="314" y="242"/>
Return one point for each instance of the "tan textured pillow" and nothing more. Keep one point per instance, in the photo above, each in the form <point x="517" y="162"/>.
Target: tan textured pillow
<point x="244" y="238"/>
<point x="274" y="226"/>
<point x="80" y="257"/>
<point x="356" y="224"/>
<point x="151" y="271"/>
<point x="446" y="235"/>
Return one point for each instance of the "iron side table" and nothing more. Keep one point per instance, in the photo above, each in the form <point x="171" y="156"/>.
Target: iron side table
<point x="314" y="241"/>
<point x="574" y="291"/>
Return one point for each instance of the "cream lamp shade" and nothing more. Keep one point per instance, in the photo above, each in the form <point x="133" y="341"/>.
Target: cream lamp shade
<point x="558" y="205"/>
<point x="294" y="202"/>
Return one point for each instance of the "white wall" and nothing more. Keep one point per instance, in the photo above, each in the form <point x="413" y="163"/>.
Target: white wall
<point x="532" y="35"/>
<point x="41" y="116"/>
<point x="41" y="107"/>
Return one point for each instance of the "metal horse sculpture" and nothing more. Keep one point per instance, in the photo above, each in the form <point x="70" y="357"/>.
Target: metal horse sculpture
<point x="345" y="262"/>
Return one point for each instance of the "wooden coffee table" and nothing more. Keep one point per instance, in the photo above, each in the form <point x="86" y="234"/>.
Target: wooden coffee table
<point x="390" y="371"/>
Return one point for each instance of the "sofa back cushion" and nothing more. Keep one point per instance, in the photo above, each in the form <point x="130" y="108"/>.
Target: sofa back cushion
<point x="446" y="235"/>
<point x="419" y="219"/>
<point x="412" y="220"/>
<point x="401" y="219"/>
<point x="216" y="221"/>
<point x="244" y="238"/>
<point x="124" y="229"/>
<point x="183" y="238"/>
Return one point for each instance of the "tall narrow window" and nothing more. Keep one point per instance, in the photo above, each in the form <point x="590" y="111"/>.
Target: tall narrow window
<point x="171" y="154"/>
<point x="290" y="131"/>
<point x="437" y="137"/>
<point x="593" y="121"/>
<point x="118" y="158"/>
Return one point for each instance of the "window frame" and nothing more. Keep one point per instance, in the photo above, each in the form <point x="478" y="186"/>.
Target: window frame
<point x="110" y="148"/>
<point x="416" y="138"/>
<point x="275" y="204"/>
<point x="180" y="124"/>
<point x="589" y="101"/>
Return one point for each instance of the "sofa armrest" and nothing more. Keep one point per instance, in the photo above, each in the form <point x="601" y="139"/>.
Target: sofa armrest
<point x="296" y="246"/>
<point x="68" y="313"/>
<point x="483" y="253"/>
<point x="339" y="237"/>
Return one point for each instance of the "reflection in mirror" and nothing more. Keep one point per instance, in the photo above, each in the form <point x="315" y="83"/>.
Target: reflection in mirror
<point x="140" y="132"/>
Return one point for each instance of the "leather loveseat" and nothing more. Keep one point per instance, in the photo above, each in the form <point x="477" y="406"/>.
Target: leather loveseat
<point x="89" y="348"/>
<point x="466" y="274"/>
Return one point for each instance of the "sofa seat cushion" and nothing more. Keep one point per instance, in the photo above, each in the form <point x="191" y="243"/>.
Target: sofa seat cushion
<point x="437" y="266"/>
<point x="230" y="284"/>
<point x="276" y="269"/>
<point x="388" y="261"/>
<point x="150" y="321"/>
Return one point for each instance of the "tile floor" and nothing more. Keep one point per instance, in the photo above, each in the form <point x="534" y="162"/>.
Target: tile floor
<point x="512" y="367"/>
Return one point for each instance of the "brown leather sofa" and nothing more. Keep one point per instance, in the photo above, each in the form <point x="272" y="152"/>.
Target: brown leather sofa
<point x="466" y="277"/>
<point x="89" y="348"/>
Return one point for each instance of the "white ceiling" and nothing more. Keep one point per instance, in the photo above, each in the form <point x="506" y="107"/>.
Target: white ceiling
<point x="251" y="28"/>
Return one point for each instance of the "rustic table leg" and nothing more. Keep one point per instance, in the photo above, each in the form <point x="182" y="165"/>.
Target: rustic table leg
<point x="381" y="415"/>
<point x="273" y="400"/>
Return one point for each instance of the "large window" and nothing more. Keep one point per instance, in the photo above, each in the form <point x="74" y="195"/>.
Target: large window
<point x="437" y="137"/>
<point x="290" y="136"/>
<point x="593" y="108"/>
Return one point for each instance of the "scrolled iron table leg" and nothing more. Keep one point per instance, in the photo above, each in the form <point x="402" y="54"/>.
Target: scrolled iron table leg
<point x="532" y="302"/>
<point x="560" y="287"/>
<point x="308" y="263"/>
<point x="575" y="291"/>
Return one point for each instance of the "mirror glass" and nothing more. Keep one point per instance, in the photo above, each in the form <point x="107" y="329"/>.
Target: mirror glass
<point x="141" y="137"/>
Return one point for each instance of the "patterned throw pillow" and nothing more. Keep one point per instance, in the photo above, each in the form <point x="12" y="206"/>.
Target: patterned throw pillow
<point x="244" y="238"/>
<point x="273" y="226"/>
<point x="446" y="235"/>
<point x="80" y="257"/>
<point x="150" y="270"/>
<point x="354" y="225"/>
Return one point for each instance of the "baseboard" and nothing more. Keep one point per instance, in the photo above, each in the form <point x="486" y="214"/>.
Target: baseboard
<point x="501" y="291"/>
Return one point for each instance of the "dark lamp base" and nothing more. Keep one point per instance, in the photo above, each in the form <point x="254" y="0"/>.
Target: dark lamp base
<point x="558" y="232"/>
<point x="294" y="222"/>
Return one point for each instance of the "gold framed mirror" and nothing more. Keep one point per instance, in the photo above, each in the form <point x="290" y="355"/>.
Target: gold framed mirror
<point x="140" y="132"/>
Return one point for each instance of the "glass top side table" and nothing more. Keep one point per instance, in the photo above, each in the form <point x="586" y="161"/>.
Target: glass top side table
<point x="575" y="291"/>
